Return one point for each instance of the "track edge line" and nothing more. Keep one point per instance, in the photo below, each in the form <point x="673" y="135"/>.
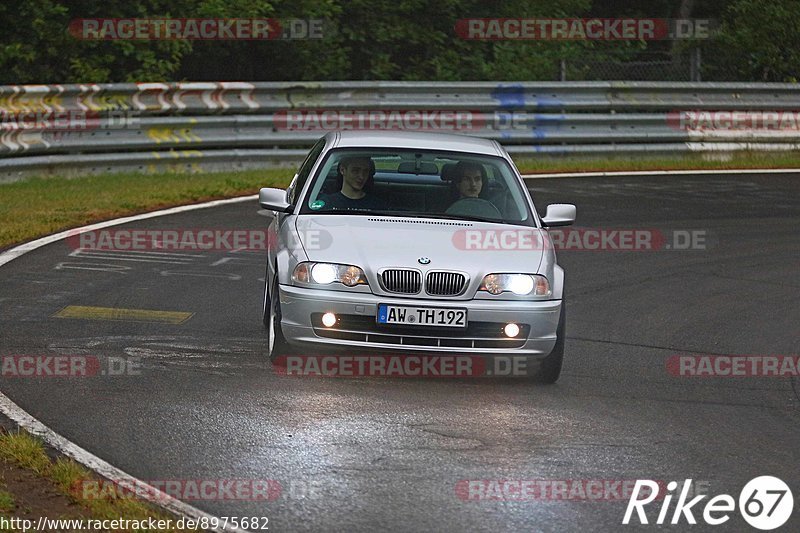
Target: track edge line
<point x="35" y="427"/>
<point x="694" y="172"/>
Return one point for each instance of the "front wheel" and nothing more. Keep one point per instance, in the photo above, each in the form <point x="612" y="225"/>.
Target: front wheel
<point x="276" y="342"/>
<point x="550" y="368"/>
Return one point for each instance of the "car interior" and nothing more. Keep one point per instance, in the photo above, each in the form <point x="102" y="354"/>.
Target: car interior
<point x="424" y="186"/>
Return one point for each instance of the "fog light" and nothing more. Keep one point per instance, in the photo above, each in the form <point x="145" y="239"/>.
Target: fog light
<point x="329" y="319"/>
<point x="511" y="330"/>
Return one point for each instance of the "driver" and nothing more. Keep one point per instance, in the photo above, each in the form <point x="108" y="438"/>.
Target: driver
<point x="469" y="180"/>
<point x="356" y="178"/>
<point x="470" y="188"/>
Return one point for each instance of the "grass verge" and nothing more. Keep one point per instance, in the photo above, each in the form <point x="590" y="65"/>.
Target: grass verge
<point x="33" y="485"/>
<point x="742" y="160"/>
<point x="39" y="206"/>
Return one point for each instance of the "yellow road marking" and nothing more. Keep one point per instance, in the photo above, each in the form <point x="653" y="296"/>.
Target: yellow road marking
<point x="115" y="313"/>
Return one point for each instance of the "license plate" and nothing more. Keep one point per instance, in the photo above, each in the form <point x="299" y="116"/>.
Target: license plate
<point x="422" y="316"/>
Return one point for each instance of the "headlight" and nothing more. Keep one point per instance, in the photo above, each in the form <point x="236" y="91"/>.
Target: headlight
<point x="324" y="273"/>
<point x="520" y="284"/>
<point x="327" y="273"/>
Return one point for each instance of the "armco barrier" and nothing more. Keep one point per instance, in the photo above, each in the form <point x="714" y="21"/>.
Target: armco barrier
<point x="152" y="127"/>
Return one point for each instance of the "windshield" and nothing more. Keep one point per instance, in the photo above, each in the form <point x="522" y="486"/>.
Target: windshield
<point x="419" y="184"/>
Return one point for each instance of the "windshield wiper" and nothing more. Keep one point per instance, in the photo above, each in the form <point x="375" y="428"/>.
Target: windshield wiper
<point x="369" y="212"/>
<point x="421" y="214"/>
<point x="456" y="217"/>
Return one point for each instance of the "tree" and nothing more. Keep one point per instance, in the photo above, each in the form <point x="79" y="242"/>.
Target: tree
<point x="381" y="40"/>
<point x="757" y="41"/>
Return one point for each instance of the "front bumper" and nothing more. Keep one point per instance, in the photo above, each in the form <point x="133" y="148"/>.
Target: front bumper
<point x="358" y="329"/>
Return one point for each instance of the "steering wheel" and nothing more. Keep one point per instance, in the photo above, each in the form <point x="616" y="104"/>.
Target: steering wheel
<point x="474" y="207"/>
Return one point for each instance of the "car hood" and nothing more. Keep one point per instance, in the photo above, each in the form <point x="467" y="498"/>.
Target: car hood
<point x="377" y="242"/>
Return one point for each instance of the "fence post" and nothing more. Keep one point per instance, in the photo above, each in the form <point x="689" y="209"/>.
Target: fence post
<point x="695" y="64"/>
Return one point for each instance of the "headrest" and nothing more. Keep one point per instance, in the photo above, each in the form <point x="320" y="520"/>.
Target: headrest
<point x="447" y="171"/>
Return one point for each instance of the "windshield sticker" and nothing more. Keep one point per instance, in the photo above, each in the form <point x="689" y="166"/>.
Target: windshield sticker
<point x="319" y="204"/>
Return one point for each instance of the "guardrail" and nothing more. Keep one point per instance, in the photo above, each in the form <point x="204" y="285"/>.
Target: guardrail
<point x="188" y="127"/>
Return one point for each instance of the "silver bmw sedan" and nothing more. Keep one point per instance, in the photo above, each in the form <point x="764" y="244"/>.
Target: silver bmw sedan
<point x="413" y="243"/>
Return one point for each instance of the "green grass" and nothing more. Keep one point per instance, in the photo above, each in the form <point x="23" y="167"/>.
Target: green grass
<point x="28" y="452"/>
<point x="25" y="451"/>
<point x="69" y="476"/>
<point x="7" y="502"/>
<point x="39" y="206"/>
<point x="743" y="160"/>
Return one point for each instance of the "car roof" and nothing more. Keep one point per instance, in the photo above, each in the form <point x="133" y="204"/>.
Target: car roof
<point x="413" y="140"/>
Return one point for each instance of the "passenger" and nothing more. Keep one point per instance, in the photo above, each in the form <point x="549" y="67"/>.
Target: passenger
<point x="355" y="180"/>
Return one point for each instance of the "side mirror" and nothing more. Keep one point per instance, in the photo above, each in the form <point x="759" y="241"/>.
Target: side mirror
<point x="559" y="215"/>
<point x="274" y="200"/>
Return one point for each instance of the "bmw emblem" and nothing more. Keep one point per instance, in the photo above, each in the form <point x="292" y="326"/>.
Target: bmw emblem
<point x="423" y="260"/>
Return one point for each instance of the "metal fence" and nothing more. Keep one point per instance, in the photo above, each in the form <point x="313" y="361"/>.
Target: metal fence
<point x="191" y="127"/>
<point x="643" y="66"/>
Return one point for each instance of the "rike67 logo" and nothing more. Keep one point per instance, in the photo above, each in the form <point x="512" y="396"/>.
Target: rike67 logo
<point x="765" y="503"/>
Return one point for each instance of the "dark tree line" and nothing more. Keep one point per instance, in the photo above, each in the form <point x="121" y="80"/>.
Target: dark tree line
<point x="380" y="39"/>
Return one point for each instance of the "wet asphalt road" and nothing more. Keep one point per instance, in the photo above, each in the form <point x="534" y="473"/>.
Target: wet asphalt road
<point x="369" y="454"/>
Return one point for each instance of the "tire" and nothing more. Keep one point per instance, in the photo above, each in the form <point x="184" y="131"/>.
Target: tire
<point x="265" y="306"/>
<point x="550" y="368"/>
<point x="276" y="343"/>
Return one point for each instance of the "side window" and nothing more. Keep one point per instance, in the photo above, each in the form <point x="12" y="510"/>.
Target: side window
<point x="305" y="170"/>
